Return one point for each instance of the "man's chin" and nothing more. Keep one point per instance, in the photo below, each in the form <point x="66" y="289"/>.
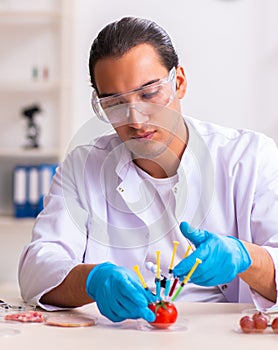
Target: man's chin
<point x="146" y="148"/>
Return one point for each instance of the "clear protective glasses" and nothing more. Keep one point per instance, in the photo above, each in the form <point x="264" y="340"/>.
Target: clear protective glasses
<point x="115" y="109"/>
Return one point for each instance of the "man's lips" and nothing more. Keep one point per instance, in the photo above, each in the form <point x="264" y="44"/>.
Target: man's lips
<point x="144" y="136"/>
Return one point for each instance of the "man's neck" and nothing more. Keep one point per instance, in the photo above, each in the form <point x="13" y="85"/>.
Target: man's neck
<point x="167" y="163"/>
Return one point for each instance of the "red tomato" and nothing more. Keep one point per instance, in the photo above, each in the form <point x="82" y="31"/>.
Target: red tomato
<point x="274" y="325"/>
<point x="166" y="314"/>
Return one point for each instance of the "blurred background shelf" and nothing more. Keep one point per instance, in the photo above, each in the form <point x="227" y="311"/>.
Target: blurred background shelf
<point x="35" y="70"/>
<point x="28" y="86"/>
<point x="32" y="153"/>
<point x="19" y="18"/>
<point x="14" y="235"/>
<point x="6" y="221"/>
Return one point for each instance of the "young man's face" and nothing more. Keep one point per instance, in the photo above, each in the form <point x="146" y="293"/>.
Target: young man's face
<point x="146" y="134"/>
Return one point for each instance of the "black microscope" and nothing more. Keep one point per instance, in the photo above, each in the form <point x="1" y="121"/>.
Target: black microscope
<point x="33" y="130"/>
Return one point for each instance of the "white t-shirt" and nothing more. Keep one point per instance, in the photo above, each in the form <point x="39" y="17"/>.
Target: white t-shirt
<point x="191" y="292"/>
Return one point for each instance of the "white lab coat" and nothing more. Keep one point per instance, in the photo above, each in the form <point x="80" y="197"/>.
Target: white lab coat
<point x="101" y="209"/>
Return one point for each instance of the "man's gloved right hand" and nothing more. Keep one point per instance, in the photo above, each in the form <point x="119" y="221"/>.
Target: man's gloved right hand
<point x="223" y="257"/>
<point x="118" y="293"/>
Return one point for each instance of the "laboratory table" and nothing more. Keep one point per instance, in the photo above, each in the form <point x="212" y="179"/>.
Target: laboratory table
<point x="199" y="326"/>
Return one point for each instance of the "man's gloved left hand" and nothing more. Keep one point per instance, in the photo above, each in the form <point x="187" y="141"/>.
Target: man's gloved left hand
<point x="223" y="257"/>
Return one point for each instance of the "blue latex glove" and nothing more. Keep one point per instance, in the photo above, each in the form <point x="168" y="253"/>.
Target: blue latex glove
<point x="223" y="257"/>
<point x="118" y="293"/>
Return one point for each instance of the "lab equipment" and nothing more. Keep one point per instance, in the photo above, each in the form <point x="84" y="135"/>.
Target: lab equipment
<point x="114" y="109"/>
<point x="141" y="278"/>
<point x="158" y="276"/>
<point x="176" y="279"/>
<point x="33" y="130"/>
<point x="176" y="243"/>
<point x="186" y="279"/>
<point x="168" y="281"/>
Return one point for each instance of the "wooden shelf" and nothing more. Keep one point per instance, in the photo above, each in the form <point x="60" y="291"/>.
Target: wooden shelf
<point x="29" y="86"/>
<point x="29" y="153"/>
<point x="35" y="36"/>
<point x="13" y="17"/>
<point x="6" y="220"/>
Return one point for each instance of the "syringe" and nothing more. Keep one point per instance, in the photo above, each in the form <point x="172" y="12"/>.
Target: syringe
<point x="170" y="270"/>
<point x="153" y="268"/>
<point x="177" y="279"/>
<point x="186" y="279"/>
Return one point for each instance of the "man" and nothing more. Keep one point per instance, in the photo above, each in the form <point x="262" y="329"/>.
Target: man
<point x="114" y="203"/>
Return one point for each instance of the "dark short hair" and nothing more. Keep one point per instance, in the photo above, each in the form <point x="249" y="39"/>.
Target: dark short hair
<point x="118" y="37"/>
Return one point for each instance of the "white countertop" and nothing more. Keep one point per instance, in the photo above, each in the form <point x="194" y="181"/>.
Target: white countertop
<point x="199" y="326"/>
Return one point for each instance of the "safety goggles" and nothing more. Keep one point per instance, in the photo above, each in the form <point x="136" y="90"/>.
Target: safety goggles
<point x="116" y="108"/>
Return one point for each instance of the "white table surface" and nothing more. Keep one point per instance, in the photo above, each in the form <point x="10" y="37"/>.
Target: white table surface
<point x="200" y="326"/>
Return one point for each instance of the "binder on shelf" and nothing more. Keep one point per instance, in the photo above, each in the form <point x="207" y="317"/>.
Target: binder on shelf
<point x="31" y="183"/>
<point x="33" y="191"/>
<point x="46" y="172"/>
<point x="20" y="192"/>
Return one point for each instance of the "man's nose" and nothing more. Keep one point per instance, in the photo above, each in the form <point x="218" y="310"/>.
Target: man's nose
<point x="136" y="118"/>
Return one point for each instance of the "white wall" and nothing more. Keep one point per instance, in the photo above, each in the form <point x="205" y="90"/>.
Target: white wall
<point x="229" y="49"/>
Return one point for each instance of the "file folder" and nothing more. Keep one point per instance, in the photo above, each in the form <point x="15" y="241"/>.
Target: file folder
<point x="20" y="192"/>
<point x="46" y="174"/>
<point x="31" y="183"/>
<point x="33" y="191"/>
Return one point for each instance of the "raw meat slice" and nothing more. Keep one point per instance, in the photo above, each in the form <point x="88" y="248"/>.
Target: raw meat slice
<point x="28" y="316"/>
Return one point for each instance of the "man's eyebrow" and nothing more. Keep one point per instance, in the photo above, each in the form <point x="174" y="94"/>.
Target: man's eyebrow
<point x="120" y="93"/>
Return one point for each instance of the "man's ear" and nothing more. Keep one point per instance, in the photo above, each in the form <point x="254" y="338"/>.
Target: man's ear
<point x="181" y="82"/>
